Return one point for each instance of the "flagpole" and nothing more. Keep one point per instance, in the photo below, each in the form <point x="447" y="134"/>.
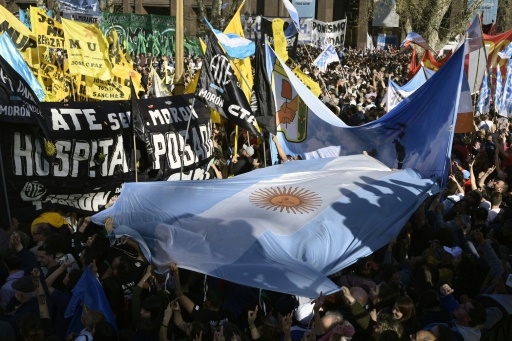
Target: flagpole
<point x="193" y="112"/>
<point x="4" y="184"/>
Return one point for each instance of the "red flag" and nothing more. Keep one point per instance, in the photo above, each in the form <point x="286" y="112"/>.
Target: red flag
<point x="413" y="66"/>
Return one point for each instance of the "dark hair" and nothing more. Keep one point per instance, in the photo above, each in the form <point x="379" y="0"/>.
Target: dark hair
<point x="57" y="242"/>
<point x="103" y="331"/>
<point x="48" y="250"/>
<point x="73" y="277"/>
<point x="12" y="260"/>
<point x="154" y="305"/>
<point x="477" y="314"/>
<point x="406" y="306"/>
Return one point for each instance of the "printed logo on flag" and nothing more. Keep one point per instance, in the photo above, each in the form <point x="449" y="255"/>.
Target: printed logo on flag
<point x="292" y="115"/>
<point x="290" y="200"/>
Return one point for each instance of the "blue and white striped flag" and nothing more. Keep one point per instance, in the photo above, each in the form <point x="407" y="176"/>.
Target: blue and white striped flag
<point x="327" y="57"/>
<point x="506" y="53"/>
<point x="506" y="103"/>
<point x="484" y="99"/>
<point x="235" y="46"/>
<point x="283" y="228"/>
<point x="293" y="12"/>
<point x="498" y="91"/>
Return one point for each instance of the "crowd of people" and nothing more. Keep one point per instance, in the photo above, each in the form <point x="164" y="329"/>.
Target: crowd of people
<point x="446" y="276"/>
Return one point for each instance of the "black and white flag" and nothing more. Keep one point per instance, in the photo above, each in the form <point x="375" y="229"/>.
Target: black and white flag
<point x="219" y="88"/>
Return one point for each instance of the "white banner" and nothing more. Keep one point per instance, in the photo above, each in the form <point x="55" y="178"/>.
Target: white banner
<point x="324" y="34"/>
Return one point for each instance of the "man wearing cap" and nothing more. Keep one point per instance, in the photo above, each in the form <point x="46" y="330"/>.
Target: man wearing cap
<point x="25" y="293"/>
<point x="243" y="162"/>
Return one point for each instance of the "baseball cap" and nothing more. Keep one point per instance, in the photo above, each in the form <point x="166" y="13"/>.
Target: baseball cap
<point x="466" y="174"/>
<point x="249" y="150"/>
<point x="24" y="284"/>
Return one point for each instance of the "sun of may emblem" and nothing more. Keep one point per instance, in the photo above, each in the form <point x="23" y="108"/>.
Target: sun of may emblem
<point x="292" y="200"/>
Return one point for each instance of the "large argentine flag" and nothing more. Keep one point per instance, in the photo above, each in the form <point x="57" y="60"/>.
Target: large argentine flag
<point x="409" y="136"/>
<point x="397" y="93"/>
<point x="283" y="228"/>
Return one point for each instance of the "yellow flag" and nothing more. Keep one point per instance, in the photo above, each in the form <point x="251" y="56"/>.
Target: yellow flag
<point x="311" y="84"/>
<point x="87" y="50"/>
<point x="235" y="26"/>
<point x="49" y="32"/>
<point x="279" y="39"/>
<point x="21" y="36"/>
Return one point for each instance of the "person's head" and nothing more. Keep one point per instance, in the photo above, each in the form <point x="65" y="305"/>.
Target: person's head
<point x="232" y="332"/>
<point x="92" y="317"/>
<point x="442" y="333"/>
<point x="41" y="231"/>
<point x="331" y="319"/>
<point x="471" y="313"/>
<point x="12" y="261"/>
<point x="24" y="289"/>
<point x="360" y="295"/>
<point x="403" y="308"/>
<point x="72" y="278"/>
<point x="46" y="256"/>
<point x="30" y="328"/>
<point x="151" y="313"/>
<point x="496" y="199"/>
<point x="247" y="151"/>
<point x="387" y="322"/>
<point x="423" y="335"/>
<point x="384" y="294"/>
<point x="103" y="331"/>
<point x="213" y="299"/>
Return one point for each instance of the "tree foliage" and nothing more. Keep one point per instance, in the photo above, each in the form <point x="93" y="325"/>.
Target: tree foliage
<point x="437" y="21"/>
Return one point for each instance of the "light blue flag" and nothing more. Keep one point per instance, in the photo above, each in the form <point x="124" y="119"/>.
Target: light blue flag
<point x="506" y="53"/>
<point x="235" y="46"/>
<point x="498" y="92"/>
<point x="410" y="136"/>
<point x="327" y="57"/>
<point x="484" y="99"/>
<point x="11" y="54"/>
<point x="506" y="102"/>
<point x="25" y="19"/>
<point x="396" y="93"/>
<point x="293" y="12"/>
<point x="283" y="228"/>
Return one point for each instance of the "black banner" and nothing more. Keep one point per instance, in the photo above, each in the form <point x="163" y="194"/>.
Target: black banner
<point x="219" y="88"/>
<point x="94" y="151"/>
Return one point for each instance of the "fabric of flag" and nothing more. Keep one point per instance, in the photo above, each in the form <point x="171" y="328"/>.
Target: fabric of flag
<point x="26" y="41"/>
<point x="235" y="45"/>
<point x="327" y="57"/>
<point x="293" y="12"/>
<point x="413" y="65"/>
<point x="403" y="138"/>
<point x="474" y="35"/>
<point x="220" y="90"/>
<point x="369" y="42"/>
<point x="265" y="105"/>
<point x="506" y="103"/>
<point x="83" y="5"/>
<point x="25" y="19"/>
<point x="11" y="55"/>
<point x="87" y="50"/>
<point x="49" y="32"/>
<point x="160" y="90"/>
<point x="415" y="38"/>
<point x="506" y="53"/>
<point x="283" y="228"/>
<point x="397" y="93"/>
<point x="147" y="154"/>
<point x="484" y="98"/>
<point x="243" y="67"/>
<point x="89" y="293"/>
<point x="498" y="91"/>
